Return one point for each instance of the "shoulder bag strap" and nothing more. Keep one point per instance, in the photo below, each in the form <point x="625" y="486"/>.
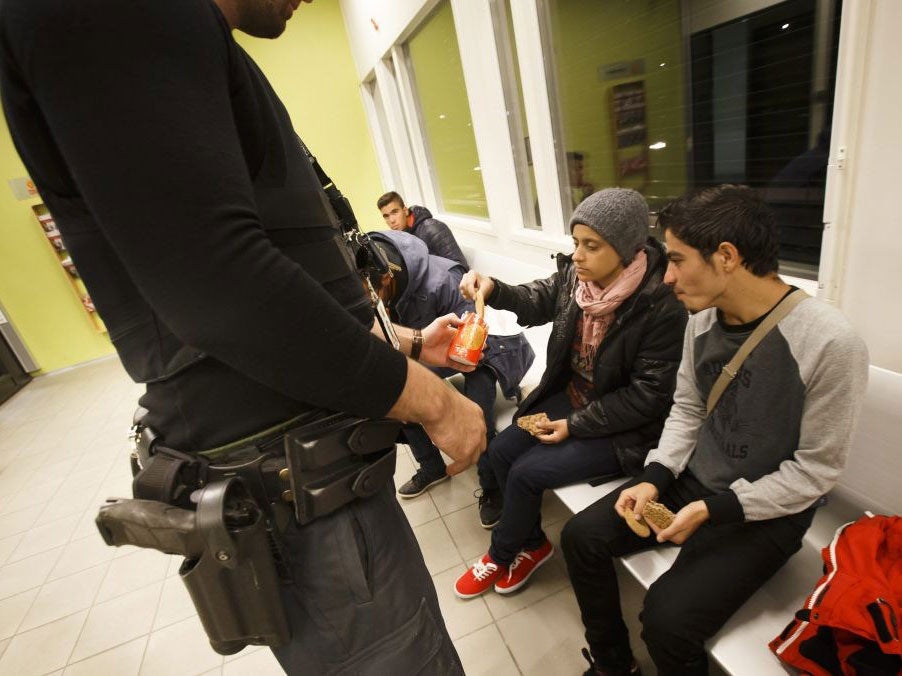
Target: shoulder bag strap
<point x="732" y="368"/>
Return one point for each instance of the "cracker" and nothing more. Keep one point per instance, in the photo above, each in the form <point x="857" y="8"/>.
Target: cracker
<point x="529" y="423"/>
<point x="637" y="525"/>
<point x="657" y="514"/>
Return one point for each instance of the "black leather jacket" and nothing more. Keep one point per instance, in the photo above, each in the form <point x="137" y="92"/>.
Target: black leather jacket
<point x="438" y="236"/>
<point x="635" y="370"/>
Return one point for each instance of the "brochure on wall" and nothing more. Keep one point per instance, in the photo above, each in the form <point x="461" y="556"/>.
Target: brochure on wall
<point x="53" y="236"/>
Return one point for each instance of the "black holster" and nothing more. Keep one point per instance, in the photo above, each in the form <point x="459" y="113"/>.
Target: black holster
<point x="228" y="569"/>
<point x="222" y="514"/>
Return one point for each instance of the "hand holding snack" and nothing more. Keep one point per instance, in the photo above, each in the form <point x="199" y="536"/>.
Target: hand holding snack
<point x="530" y="423"/>
<point x="652" y="513"/>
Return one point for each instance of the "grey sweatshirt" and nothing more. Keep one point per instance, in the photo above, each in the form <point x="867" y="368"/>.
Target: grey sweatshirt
<point x="779" y="437"/>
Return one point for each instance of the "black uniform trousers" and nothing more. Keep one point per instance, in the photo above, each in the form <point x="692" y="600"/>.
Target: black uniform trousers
<point x="717" y="569"/>
<point x="362" y="601"/>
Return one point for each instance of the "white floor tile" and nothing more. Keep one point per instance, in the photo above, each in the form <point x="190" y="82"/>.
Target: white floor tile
<point x="471" y="538"/>
<point x="483" y="653"/>
<point x="59" y="468"/>
<point x="43" y="649"/>
<point x="461" y="617"/>
<point x="172" y="648"/>
<point x="36" y="492"/>
<point x="41" y="538"/>
<point x="450" y="496"/>
<point x="93" y="465"/>
<point x="258" y="663"/>
<point x="175" y="604"/>
<point x="13" y="610"/>
<point x="31" y="572"/>
<point x="546" y="637"/>
<point x="19" y="521"/>
<point x="117" y="621"/>
<point x="550" y="578"/>
<point x="123" y="660"/>
<point x="67" y="502"/>
<point x="437" y="546"/>
<point x="133" y="572"/>
<point x="3" y="643"/>
<point x="419" y="510"/>
<point x="64" y="597"/>
<point x="8" y="545"/>
<point x="80" y="554"/>
<point x="86" y="526"/>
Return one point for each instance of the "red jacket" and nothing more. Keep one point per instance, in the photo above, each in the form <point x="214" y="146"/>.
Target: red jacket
<point x="850" y="622"/>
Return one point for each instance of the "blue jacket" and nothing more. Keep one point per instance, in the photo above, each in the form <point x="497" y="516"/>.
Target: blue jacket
<point x="433" y="290"/>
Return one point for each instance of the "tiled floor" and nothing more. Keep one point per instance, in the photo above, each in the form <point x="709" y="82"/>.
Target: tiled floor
<point x="71" y="605"/>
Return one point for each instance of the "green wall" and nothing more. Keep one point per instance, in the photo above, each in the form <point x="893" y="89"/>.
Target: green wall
<point x="33" y="286"/>
<point x="311" y="69"/>
<point x="588" y="34"/>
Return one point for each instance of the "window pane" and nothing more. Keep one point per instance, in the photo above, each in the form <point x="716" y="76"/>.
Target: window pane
<point x="516" y="113"/>
<point x="382" y="120"/>
<point x="650" y="102"/>
<point x="445" y="115"/>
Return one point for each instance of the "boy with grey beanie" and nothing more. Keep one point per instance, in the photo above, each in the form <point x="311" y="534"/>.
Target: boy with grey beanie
<point x="619" y="215"/>
<point x="613" y="352"/>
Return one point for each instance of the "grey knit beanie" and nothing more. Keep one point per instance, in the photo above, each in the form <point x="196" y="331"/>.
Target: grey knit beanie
<point x="619" y="215"/>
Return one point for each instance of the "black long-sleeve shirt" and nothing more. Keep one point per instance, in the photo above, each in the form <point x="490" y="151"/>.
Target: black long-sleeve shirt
<point x="191" y="213"/>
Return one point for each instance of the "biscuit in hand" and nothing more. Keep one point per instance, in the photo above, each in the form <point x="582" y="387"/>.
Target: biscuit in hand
<point x="658" y="514"/>
<point x="530" y="423"/>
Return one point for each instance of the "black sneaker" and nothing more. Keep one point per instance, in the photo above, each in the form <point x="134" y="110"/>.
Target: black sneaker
<point x="595" y="670"/>
<point x="490" y="507"/>
<point x="420" y="483"/>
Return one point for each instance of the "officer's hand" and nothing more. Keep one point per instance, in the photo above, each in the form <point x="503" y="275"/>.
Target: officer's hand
<point x="685" y="523"/>
<point x="473" y="281"/>
<point x="553" y="431"/>
<point x="634" y="498"/>
<point x="437" y="339"/>
<point x="459" y="432"/>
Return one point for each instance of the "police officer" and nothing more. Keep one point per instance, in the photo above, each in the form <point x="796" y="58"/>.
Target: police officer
<point x="211" y="251"/>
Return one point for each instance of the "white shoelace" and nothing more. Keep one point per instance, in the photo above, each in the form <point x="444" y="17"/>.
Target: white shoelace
<point x="518" y="560"/>
<point x="482" y="570"/>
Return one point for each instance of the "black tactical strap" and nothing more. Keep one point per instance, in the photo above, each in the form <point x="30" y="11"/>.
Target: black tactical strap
<point x="169" y="477"/>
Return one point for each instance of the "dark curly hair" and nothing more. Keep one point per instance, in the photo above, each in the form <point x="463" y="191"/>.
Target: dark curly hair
<point x="726" y="213"/>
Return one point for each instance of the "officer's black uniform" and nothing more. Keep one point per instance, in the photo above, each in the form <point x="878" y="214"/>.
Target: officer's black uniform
<point x="210" y="251"/>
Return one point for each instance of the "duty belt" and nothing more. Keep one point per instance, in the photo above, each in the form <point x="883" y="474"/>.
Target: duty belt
<point x="317" y="465"/>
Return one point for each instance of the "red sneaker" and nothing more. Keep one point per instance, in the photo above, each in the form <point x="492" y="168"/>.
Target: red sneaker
<point x="523" y="567"/>
<point x="479" y="578"/>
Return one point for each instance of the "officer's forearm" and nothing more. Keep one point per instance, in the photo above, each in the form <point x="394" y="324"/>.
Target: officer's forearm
<point x="405" y="336"/>
<point x="424" y="399"/>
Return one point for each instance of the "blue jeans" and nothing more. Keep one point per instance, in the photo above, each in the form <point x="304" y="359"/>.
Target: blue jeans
<point x="524" y="467"/>
<point x="479" y="387"/>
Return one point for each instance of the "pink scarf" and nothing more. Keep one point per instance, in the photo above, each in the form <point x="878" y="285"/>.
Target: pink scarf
<point x="598" y="303"/>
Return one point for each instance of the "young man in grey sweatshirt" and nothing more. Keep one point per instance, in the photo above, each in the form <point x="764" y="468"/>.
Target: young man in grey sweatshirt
<point x="744" y="481"/>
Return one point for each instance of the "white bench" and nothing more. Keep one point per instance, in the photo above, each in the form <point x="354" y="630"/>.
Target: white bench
<point x="870" y="482"/>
